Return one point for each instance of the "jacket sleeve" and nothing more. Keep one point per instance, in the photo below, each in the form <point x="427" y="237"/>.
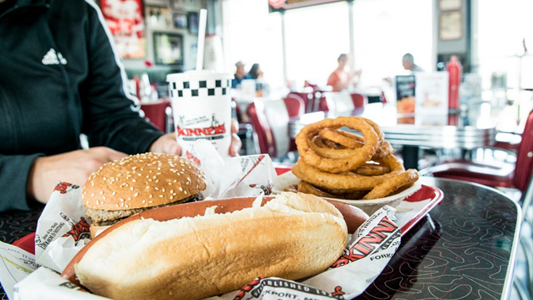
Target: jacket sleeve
<point x="14" y="171"/>
<point x="111" y="113"/>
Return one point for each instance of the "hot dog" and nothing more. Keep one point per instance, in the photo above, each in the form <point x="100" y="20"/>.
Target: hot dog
<point x="290" y="236"/>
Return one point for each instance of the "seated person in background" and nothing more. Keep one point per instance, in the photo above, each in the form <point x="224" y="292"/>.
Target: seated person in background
<point x="256" y="72"/>
<point x="69" y="83"/>
<point x="240" y="75"/>
<point x="340" y="79"/>
<point x="408" y="62"/>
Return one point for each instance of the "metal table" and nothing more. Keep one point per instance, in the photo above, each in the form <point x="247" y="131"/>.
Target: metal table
<point x="466" y="131"/>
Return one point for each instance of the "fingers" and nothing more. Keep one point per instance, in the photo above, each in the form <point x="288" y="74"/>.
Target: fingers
<point x="235" y="145"/>
<point x="166" y="144"/>
<point x="72" y="167"/>
<point x="234" y="126"/>
<point x="106" y="154"/>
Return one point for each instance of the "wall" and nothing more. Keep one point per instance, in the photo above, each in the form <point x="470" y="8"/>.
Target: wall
<point x="157" y="73"/>
<point x="453" y="34"/>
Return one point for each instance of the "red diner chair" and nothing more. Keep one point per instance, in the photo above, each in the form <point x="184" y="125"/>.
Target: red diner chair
<point x="155" y="113"/>
<point x="295" y="105"/>
<point x="308" y="96"/>
<point x="359" y="100"/>
<point x="324" y="103"/>
<point x="505" y="174"/>
<point x="270" y="121"/>
<point x="295" y="108"/>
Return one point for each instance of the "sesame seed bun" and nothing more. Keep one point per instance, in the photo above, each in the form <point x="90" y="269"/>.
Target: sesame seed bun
<point x="142" y="181"/>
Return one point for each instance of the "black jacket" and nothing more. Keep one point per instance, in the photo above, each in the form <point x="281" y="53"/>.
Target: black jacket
<point x="59" y="77"/>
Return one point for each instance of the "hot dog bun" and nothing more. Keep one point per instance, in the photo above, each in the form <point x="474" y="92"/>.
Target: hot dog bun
<point x="292" y="236"/>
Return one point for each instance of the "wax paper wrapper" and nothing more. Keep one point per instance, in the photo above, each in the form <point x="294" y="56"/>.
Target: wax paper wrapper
<point x="63" y="230"/>
<point x="367" y="253"/>
<point x="241" y="176"/>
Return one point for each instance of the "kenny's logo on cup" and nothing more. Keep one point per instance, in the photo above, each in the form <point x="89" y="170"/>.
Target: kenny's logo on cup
<point x="213" y="132"/>
<point x="201" y="103"/>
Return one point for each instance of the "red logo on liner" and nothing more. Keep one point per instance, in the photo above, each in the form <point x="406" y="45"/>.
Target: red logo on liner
<point x="338" y="291"/>
<point x="62" y="187"/>
<point x="192" y="157"/>
<point x="79" y="230"/>
<point x="248" y="287"/>
<point x="367" y="244"/>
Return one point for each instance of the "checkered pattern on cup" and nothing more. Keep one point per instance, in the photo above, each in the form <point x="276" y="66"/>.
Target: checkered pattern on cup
<point x="202" y="88"/>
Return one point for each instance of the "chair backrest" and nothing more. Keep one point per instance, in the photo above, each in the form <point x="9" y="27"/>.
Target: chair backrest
<point x="324" y="103"/>
<point x="524" y="157"/>
<point x="295" y="105"/>
<point x="155" y="113"/>
<point x="308" y="98"/>
<point x="359" y="100"/>
<point x="270" y="120"/>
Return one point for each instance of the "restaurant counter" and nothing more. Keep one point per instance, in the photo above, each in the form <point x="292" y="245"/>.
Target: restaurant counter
<point x="464" y="249"/>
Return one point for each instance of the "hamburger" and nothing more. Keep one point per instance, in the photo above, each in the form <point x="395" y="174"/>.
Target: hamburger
<point x="136" y="183"/>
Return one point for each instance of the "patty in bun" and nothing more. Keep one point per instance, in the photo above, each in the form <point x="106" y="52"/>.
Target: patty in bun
<point x="137" y="183"/>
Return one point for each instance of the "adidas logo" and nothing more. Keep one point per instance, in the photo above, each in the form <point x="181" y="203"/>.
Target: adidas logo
<point x="51" y="58"/>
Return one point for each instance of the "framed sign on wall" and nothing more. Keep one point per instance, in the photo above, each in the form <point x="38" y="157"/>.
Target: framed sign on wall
<point x="168" y="48"/>
<point x="125" y="20"/>
<point x="450" y="4"/>
<point x="180" y="20"/>
<point x="193" y="22"/>
<point x="450" y="25"/>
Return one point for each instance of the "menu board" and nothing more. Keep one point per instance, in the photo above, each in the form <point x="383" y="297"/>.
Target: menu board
<point x="405" y="94"/>
<point x="432" y="93"/>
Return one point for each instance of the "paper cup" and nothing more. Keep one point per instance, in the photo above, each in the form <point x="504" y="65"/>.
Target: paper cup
<point x="201" y="103"/>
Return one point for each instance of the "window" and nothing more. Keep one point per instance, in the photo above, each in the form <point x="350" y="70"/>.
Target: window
<point x="252" y="35"/>
<point x="315" y="37"/>
<point x="503" y="27"/>
<point x="384" y="30"/>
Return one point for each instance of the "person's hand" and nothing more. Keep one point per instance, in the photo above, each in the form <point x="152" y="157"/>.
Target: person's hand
<point x="168" y="144"/>
<point x="72" y="167"/>
<point x="236" y="143"/>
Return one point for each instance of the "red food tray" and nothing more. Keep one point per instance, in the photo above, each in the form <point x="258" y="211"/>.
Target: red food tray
<point x="409" y="212"/>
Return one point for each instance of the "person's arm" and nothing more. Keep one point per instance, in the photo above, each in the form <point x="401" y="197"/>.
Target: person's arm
<point x="14" y="171"/>
<point x="72" y="167"/>
<point x="111" y="114"/>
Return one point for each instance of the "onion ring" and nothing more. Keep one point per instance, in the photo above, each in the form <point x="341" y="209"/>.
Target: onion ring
<point x="372" y="169"/>
<point x="344" y="138"/>
<point x="354" y="141"/>
<point x="306" y="187"/>
<point x="389" y="186"/>
<point x="323" y="143"/>
<point x="345" y="181"/>
<point x="344" y="160"/>
<point x="383" y="151"/>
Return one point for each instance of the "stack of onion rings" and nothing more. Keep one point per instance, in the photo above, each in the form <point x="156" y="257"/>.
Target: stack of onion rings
<point x="340" y="164"/>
